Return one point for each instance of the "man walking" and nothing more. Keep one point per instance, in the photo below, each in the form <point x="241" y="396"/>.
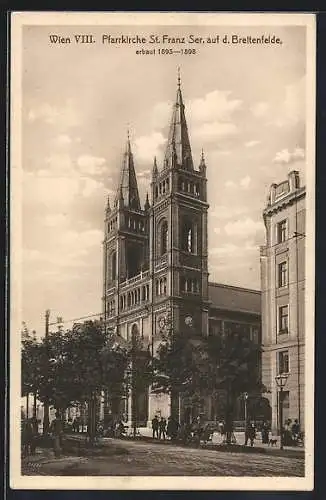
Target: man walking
<point x="56" y="430"/>
<point x="155" y="426"/>
<point x="162" y="428"/>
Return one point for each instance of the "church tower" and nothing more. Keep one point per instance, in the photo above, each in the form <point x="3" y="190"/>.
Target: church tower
<point x="155" y="258"/>
<point x="126" y="239"/>
<point x="178" y="224"/>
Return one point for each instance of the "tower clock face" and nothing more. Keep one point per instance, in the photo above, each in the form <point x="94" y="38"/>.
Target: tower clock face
<point x="189" y="320"/>
<point x="162" y="322"/>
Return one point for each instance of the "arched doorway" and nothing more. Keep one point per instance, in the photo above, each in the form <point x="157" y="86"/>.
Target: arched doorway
<point x="139" y="400"/>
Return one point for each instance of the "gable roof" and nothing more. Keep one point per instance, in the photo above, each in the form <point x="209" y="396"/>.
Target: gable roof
<point x="233" y="298"/>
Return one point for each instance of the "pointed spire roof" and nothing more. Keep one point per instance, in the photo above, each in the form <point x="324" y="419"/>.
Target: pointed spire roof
<point x="178" y="150"/>
<point x="128" y="188"/>
<point x="108" y="207"/>
<point x="147" y="205"/>
<point x="155" y="169"/>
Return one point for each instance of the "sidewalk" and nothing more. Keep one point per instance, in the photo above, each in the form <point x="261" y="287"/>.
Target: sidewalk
<point x="240" y="439"/>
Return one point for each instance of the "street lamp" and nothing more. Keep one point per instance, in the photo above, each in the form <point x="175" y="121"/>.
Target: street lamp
<point x="245" y="398"/>
<point x="281" y="380"/>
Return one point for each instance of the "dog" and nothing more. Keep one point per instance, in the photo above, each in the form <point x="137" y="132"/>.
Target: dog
<point x="272" y="442"/>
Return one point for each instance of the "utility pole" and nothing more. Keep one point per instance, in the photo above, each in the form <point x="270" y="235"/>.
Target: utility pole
<point x="46" y="421"/>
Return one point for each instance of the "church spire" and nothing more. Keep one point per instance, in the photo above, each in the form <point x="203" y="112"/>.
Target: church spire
<point x="155" y="169"/>
<point x="147" y="205"/>
<point x="108" y="207"/>
<point x="128" y="188"/>
<point x="178" y="150"/>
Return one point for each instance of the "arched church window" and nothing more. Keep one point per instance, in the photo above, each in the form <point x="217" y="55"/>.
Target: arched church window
<point x="156" y="192"/>
<point x="114" y="265"/>
<point x="189" y="240"/>
<point x="189" y="236"/>
<point x="164" y="237"/>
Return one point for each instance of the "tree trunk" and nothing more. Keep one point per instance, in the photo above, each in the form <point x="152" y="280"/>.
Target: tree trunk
<point x="34" y="404"/>
<point x="91" y="429"/>
<point x="229" y="416"/>
<point x="175" y="405"/>
<point x="27" y="402"/>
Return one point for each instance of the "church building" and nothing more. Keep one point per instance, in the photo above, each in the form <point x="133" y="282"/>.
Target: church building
<point x="155" y="264"/>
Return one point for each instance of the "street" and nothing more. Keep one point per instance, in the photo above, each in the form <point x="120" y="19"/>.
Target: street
<point x="135" y="458"/>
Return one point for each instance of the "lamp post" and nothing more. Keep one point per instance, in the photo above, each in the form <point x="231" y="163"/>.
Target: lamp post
<point x="281" y="380"/>
<point x="245" y="398"/>
<point x="46" y="420"/>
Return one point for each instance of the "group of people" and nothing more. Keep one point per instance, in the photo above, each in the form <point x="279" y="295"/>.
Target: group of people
<point x="162" y="428"/>
<point x="184" y="432"/>
<point x="291" y="432"/>
<point x="30" y="435"/>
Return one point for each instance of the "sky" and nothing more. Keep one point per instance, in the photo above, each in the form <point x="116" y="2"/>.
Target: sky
<point x="245" y="106"/>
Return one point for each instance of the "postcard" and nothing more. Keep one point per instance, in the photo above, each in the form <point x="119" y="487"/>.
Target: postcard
<point x="162" y="183"/>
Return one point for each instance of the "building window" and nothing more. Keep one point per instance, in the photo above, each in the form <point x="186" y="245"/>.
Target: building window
<point x="164" y="237"/>
<point x="282" y="274"/>
<point x="281" y="231"/>
<point x="114" y="265"/>
<point x="188" y="243"/>
<point x="283" y="319"/>
<point x="283" y="362"/>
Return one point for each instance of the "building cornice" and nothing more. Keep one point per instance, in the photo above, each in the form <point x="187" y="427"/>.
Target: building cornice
<point x="285" y="201"/>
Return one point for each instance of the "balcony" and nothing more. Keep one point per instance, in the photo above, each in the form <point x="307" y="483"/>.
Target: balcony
<point x="143" y="276"/>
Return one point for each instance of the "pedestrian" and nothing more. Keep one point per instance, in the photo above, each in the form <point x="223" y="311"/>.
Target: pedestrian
<point x="76" y="424"/>
<point x="69" y="425"/>
<point x="34" y="435"/>
<point x="56" y="429"/>
<point x="172" y="428"/>
<point x="162" y="428"/>
<point x="295" y="430"/>
<point x="155" y="426"/>
<point x="252" y="433"/>
<point x="247" y="432"/>
<point x="27" y="437"/>
<point x="265" y="433"/>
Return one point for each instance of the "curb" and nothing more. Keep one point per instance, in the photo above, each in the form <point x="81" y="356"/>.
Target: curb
<point x="233" y="448"/>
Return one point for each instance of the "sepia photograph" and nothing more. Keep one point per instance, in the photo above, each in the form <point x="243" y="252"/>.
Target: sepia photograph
<point x="162" y="177"/>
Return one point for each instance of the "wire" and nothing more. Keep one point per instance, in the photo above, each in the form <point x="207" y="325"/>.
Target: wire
<point x="75" y="319"/>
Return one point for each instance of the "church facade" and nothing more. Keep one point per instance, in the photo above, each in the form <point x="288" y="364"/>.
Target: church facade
<point x="155" y="262"/>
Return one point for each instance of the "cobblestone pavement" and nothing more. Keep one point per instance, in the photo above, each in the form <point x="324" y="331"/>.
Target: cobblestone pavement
<point x="151" y="459"/>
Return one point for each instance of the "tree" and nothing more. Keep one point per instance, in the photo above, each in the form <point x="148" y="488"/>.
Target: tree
<point x="230" y="364"/>
<point x="73" y="367"/>
<point x="221" y="367"/>
<point x="31" y="371"/>
<point x="176" y="369"/>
